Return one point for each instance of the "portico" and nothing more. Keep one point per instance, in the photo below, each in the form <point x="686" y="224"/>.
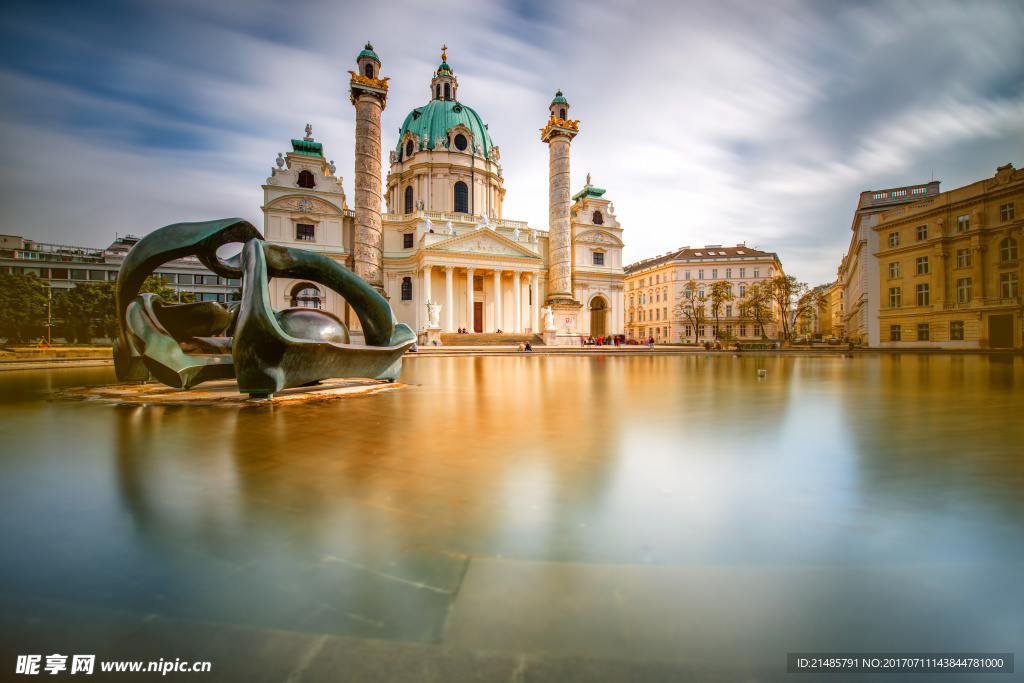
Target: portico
<point x="480" y="297"/>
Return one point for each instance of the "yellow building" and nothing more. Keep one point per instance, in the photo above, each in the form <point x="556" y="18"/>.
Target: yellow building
<point x="950" y="269"/>
<point x="837" y="307"/>
<point x="656" y="285"/>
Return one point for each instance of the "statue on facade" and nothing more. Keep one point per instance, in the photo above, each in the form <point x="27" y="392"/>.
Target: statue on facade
<point x="433" y="314"/>
<point x="392" y="157"/>
<point x="309" y="133"/>
<point x="183" y="345"/>
<point x="426" y="142"/>
<point x="439" y="142"/>
<point x="478" y="148"/>
<point x="429" y="226"/>
<point x="481" y="222"/>
<point x="533" y="235"/>
<point x="549" y="318"/>
<point x="419" y="203"/>
<point x="448" y="230"/>
<point x="515" y="233"/>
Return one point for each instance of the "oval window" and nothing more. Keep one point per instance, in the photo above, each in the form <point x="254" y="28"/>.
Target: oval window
<point x="460" y="142"/>
<point x="409" y="147"/>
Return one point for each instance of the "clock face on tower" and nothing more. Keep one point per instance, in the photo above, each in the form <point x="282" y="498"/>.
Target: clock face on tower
<point x="305" y="205"/>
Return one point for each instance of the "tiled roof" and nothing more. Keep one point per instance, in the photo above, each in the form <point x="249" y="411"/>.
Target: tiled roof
<point x="701" y="253"/>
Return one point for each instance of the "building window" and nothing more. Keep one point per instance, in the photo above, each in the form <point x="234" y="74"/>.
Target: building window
<point x="924" y="295"/>
<point x="461" y="143"/>
<point x="956" y="330"/>
<point x="963" y="290"/>
<point x="461" y="197"/>
<point x="410" y="147"/>
<point x="630" y="316"/>
<point x="714" y="273"/>
<point x="757" y="331"/>
<point x="631" y="302"/>
<point x="657" y="295"/>
<point x="894" y="239"/>
<point x="728" y="273"/>
<point x="657" y="279"/>
<point x="743" y="272"/>
<point x="743" y="290"/>
<point x="598" y="258"/>
<point x="437" y="91"/>
<point x="408" y="198"/>
<point x="664" y="311"/>
<point x="657" y="314"/>
<point x="728" y="290"/>
<point x="923" y="333"/>
<point x="1009" y="285"/>
<point x="757" y="272"/>
<point x="305" y="233"/>
<point x="1006" y="212"/>
<point x="743" y="330"/>
<point x="687" y="273"/>
<point x="963" y="258"/>
<point x="561" y="113"/>
<point x="98" y="275"/>
<point x="895" y="333"/>
<point x="307" y="297"/>
<point x="963" y="223"/>
<point x="922" y="232"/>
<point x="700" y="293"/>
<point x="728" y="311"/>
<point x="406" y="289"/>
<point x="407" y="240"/>
<point x="185" y="278"/>
<point x="687" y="330"/>
<point x="894" y="270"/>
<point x="922" y="265"/>
<point x="1008" y="249"/>
<point x="447" y="91"/>
<point x="306" y="180"/>
<point x="598" y="218"/>
<point x="895" y="296"/>
<point x="700" y="330"/>
<point x="700" y="274"/>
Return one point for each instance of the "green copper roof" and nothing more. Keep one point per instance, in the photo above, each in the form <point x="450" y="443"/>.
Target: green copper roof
<point x="559" y="99"/>
<point x="435" y="118"/>
<point x="444" y="67"/>
<point x="368" y="52"/>
<point x="310" y="149"/>
<point x="589" y="191"/>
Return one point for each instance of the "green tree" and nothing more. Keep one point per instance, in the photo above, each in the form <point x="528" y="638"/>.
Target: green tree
<point x="791" y="300"/>
<point x="720" y="295"/>
<point x="692" y="307"/>
<point x="756" y="306"/>
<point x="22" y="305"/>
<point x="88" y="309"/>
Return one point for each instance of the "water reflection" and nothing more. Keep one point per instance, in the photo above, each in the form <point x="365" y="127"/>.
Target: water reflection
<point x="649" y="496"/>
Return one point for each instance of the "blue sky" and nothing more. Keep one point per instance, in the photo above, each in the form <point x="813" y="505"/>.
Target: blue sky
<point x="706" y="122"/>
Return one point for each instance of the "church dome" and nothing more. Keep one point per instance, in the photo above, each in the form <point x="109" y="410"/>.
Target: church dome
<point x="437" y="117"/>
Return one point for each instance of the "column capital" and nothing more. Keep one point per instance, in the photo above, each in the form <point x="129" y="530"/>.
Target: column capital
<point x="517" y="272"/>
<point x="426" y="267"/>
<point x="449" y="269"/>
<point x="529" y="276"/>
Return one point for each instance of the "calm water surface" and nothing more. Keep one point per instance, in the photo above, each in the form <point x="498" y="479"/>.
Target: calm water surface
<point x="673" y="508"/>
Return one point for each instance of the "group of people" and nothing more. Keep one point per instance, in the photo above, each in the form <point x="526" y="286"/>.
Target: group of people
<point x="603" y="341"/>
<point x="525" y="346"/>
<point x="462" y="330"/>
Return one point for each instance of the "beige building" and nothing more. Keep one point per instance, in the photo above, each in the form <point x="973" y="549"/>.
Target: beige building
<point x="837" y="307"/>
<point x="950" y="267"/>
<point x="440" y="248"/>
<point x="655" y="286"/>
<point x="859" y="269"/>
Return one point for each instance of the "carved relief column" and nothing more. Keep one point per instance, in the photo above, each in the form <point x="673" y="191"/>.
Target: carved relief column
<point x="449" y="276"/>
<point x="369" y="95"/>
<point x="560" y="237"/>
<point x="517" y="303"/>
<point x="497" y="299"/>
<point x="469" y="300"/>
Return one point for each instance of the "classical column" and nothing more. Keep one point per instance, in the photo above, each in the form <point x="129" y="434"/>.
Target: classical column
<point x="534" y="278"/>
<point x="426" y="291"/>
<point x="517" y="303"/>
<point x="497" y="299"/>
<point x="369" y="95"/>
<point x="449" y="275"/>
<point x="469" y="300"/>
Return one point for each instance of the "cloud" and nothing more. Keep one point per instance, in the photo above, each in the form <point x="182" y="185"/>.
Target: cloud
<point x="706" y="122"/>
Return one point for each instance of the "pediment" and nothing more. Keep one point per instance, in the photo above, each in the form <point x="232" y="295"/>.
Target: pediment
<point x="304" y="204"/>
<point x="599" y="237"/>
<point x="483" y="241"/>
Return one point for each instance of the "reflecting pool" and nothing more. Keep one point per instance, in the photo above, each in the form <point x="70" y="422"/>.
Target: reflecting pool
<point x="672" y="509"/>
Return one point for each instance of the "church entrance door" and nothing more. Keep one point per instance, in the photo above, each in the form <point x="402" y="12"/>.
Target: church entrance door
<point x="478" y="316"/>
<point x="598" y="317"/>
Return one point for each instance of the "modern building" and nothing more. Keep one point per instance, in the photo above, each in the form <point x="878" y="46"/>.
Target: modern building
<point x="859" y="268"/>
<point x="656" y="286"/>
<point x="443" y="237"/>
<point x="951" y="267"/>
<point x="63" y="266"/>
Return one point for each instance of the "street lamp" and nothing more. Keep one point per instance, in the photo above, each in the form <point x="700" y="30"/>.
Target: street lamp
<point x="49" y="320"/>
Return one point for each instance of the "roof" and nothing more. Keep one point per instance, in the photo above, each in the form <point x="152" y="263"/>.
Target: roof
<point x="436" y="117"/>
<point x="443" y="67"/>
<point x="559" y="99"/>
<point x="308" y="148"/>
<point x="589" y="191"/>
<point x="368" y="52"/>
<point x="700" y="254"/>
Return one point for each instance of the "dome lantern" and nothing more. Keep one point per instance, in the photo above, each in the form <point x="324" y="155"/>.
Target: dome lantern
<point x="444" y="84"/>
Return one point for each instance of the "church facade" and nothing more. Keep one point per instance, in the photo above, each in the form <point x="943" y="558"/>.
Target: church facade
<point x="440" y="248"/>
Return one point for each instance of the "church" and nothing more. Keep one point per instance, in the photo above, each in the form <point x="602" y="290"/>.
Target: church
<point x="441" y="250"/>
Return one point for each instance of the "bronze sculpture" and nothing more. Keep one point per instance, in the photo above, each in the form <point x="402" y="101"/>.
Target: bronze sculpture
<point x="267" y="351"/>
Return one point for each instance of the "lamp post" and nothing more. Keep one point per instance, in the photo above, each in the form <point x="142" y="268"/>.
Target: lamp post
<point x="49" y="320"/>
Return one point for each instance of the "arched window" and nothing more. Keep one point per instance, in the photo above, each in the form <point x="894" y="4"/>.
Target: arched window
<point x="306" y="180"/>
<point x="406" y="289"/>
<point x="409" y="149"/>
<point x="408" y="199"/>
<point x="561" y="113"/>
<point x="369" y="70"/>
<point x="461" y="197"/>
<point x="447" y="91"/>
<point x="306" y="297"/>
<point x="437" y="91"/>
<point x="598" y="218"/>
<point x="461" y="143"/>
<point x="1008" y="249"/>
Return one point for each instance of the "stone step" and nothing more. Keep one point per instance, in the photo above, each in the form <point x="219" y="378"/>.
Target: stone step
<point x="490" y="339"/>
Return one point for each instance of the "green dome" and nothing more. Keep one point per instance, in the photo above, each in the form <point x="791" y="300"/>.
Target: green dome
<point x="558" y="99"/>
<point x="437" y="116"/>
<point x="368" y="52"/>
<point x="444" y="67"/>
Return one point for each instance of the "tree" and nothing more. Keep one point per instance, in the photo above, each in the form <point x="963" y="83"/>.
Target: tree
<point x="791" y="299"/>
<point x="88" y="309"/>
<point x="721" y="294"/>
<point x="692" y="307"/>
<point x="756" y="306"/>
<point x="22" y="305"/>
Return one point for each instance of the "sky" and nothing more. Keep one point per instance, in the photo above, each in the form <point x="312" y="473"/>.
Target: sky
<point x="707" y="122"/>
